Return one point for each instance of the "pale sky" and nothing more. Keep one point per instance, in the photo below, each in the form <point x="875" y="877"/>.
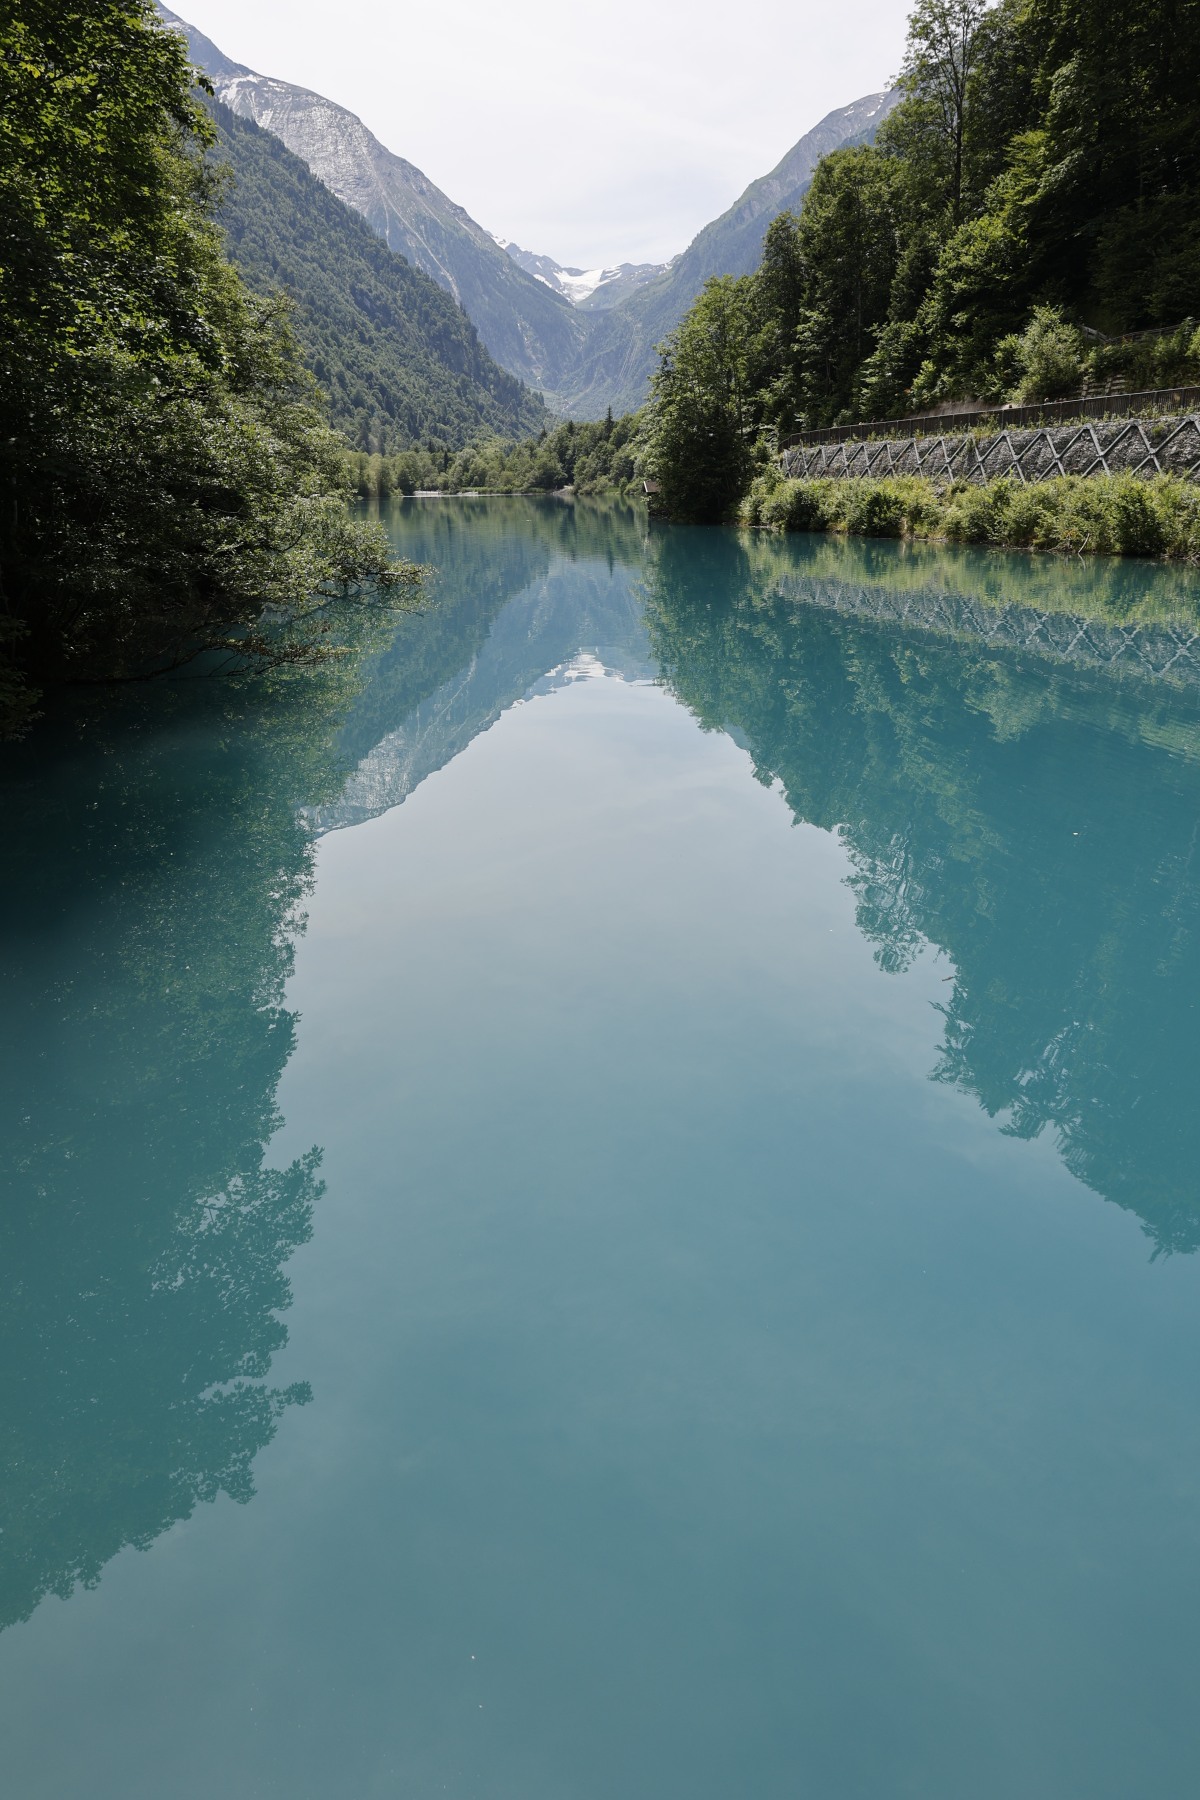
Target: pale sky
<point x="592" y="133"/>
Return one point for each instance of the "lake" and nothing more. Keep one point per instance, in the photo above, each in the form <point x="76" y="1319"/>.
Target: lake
<point x="601" y="1196"/>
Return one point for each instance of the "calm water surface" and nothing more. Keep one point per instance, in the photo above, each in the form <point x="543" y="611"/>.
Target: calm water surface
<point x="601" y="1199"/>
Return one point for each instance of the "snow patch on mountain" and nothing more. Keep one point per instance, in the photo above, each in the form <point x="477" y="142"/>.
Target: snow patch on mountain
<point x="591" y="289"/>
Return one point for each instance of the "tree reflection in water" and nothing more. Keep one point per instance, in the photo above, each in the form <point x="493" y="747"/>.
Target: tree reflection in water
<point x="1036" y="820"/>
<point x="158" y="855"/>
<point x="155" y="882"/>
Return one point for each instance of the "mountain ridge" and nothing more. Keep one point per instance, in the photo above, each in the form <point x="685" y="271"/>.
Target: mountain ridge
<point x="591" y="290"/>
<point x="740" y="229"/>
<point x="620" y="356"/>
<point x="586" y="339"/>
<point x="397" y="358"/>
<point x="528" y="329"/>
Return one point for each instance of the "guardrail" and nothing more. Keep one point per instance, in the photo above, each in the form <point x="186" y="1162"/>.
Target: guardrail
<point x="1140" y="446"/>
<point x="1157" y="401"/>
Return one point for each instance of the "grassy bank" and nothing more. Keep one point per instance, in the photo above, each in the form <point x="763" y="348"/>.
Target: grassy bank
<point x="1104" y="515"/>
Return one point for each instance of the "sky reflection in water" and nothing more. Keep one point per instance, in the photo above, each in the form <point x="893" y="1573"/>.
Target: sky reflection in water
<point x="737" y="1333"/>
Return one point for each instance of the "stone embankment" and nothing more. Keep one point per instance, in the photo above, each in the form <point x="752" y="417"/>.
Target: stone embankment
<point x="1141" y="446"/>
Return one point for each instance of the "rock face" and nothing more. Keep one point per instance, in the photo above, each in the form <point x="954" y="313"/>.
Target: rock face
<point x="619" y="357"/>
<point x="585" y="338"/>
<point x="529" y="329"/>
<point x="592" y="290"/>
<point x="399" y="361"/>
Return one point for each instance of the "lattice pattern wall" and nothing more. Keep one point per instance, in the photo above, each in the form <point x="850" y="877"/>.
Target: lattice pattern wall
<point x="1152" y="650"/>
<point x="1102" y="447"/>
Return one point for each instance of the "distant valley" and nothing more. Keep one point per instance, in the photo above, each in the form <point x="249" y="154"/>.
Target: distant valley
<point x="592" y="290"/>
<point x="531" y="331"/>
<point x="586" y="339"/>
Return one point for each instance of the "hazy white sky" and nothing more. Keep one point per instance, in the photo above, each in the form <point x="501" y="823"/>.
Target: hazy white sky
<point x="592" y="133"/>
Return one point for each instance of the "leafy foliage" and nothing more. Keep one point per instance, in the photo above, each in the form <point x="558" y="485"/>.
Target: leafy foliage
<point x="701" y="405"/>
<point x="593" y="457"/>
<point x="165" y="471"/>
<point x="1037" y="189"/>
<point x="1116" y="515"/>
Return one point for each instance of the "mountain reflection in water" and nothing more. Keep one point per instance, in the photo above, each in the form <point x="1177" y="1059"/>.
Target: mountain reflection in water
<point x="158" y="856"/>
<point x="1007" y="748"/>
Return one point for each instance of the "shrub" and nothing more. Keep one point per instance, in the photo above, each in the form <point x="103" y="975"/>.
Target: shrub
<point x="1139" y="526"/>
<point x="1024" y="514"/>
<point x="1048" y="356"/>
<point x="802" y="506"/>
<point x="1121" y="515"/>
<point x="873" y="509"/>
<point x="977" y="515"/>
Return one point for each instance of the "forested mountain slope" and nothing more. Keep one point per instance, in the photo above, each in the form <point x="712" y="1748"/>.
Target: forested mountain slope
<point x="530" y="330"/>
<point x="733" y="244"/>
<point x="1024" y="227"/>
<point x="585" y="358"/>
<point x="400" y="361"/>
<point x="620" y="357"/>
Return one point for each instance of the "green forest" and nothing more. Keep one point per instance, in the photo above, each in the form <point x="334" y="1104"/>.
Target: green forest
<point x="592" y="456"/>
<point x="169" y="478"/>
<point x="204" y="354"/>
<point x="1034" y="196"/>
<point x="398" y="360"/>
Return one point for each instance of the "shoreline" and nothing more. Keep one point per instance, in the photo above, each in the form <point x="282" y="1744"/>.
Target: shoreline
<point x="1123" y="515"/>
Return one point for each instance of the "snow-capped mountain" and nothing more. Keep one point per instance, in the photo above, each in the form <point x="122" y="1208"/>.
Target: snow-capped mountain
<point x="585" y="337"/>
<point x="592" y="290"/>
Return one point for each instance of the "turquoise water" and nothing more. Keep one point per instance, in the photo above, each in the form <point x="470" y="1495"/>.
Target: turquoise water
<point x="601" y="1198"/>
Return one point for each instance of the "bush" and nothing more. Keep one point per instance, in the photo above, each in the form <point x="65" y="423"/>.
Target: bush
<point x="977" y="515"/>
<point x="873" y="509"/>
<point x="1139" y="524"/>
<point x="1114" y="515"/>
<point x="1048" y="356"/>
<point x="798" y="506"/>
<point x="893" y="507"/>
<point x="1025" y="514"/>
